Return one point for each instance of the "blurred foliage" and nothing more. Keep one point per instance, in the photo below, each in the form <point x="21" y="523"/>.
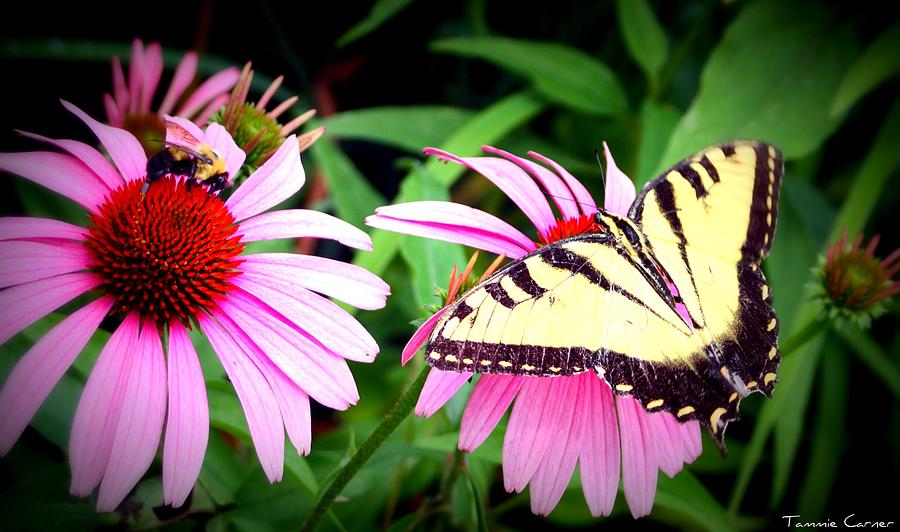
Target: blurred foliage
<point x="658" y="81"/>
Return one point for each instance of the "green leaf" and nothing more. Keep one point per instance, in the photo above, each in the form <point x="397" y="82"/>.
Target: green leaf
<point x="354" y="197"/>
<point x="477" y="501"/>
<point x="685" y="495"/>
<point x="407" y="128"/>
<point x="778" y="88"/>
<point x="879" y="164"/>
<point x="564" y="75"/>
<point x="644" y="36"/>
<point x="874" y="357"/>
<point x="430" y="261"/>
<point x="827" y="444"/>
<point x="381" y="12"/>
<point x="658" y="121"/>
<point x="225" y="411"/>
<point x="299" y="468"/>
<point x="221" y="474"/>
<point x="486" y="127"/>
<point x="878" y="63"/>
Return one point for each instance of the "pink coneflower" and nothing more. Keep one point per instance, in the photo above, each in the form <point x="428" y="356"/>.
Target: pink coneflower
<point x="130" y="106"/>
<point x="161" y="263"/>
<point x="555" y="422"/>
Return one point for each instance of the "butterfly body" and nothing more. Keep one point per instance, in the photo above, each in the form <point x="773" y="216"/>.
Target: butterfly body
<point x="668" y="305"/>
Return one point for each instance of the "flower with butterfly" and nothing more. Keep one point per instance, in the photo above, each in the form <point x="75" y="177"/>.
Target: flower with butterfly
<point x="158" y="258"/>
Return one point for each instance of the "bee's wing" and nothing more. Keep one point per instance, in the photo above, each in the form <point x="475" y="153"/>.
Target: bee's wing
<point x="179" y="137"/>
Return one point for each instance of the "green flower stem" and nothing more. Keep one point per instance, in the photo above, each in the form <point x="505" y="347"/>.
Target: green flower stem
<point x="392" y="420"/>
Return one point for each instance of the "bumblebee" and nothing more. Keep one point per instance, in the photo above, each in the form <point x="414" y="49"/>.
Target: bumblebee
<point x="200" y="165"/>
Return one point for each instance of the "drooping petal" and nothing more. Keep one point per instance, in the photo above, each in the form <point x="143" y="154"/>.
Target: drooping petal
<point x="256" y="397"/>
<point x="555" y="187"/>
<point x="38" y="371"/>
<point x="567" y="430"/>
<point x="453" y="222"/>
<point x="60" y="173"/>
<point x="23" y="262"/>
<point x="153" y="67"/>
<point x="88" y="155"/>
<point x="509" y="178"/>
<point x="582" y="196"/>
<point x="620" y="191"/>
<point x="684" y="440"/>
<point x="489" y="401"/>
<point x="323" y="321"/>
<point x="294" y="405"/>
<point x="537" y="405"/>
<point x="120" y="90"/>
<point x="217" y="84"/>
<point x="298" y="223"/>
<point x="135" y="75"/>
<point x="419" y="337"/>
<point x="599" y="458"/>
<point x="32" y="301"/>
<point x="97" y="415"/>
<point x="140" y="422"/>
<point x="320" y="373"/>
<point x="123" y="148"/>
<point x="184" y="74"/>
<point x="669" y="451"/>
<point x="346" y="282"/>
<point x="113" y="116"/>
<point x="439" y="388"/>
<point x="187" y="423"/>
<point x="202" y="118"/>
<point x="221" y="141"/>
<point x="276" y="180"/>
<point x="639" y="459"/>
<point x="26" y="228"/>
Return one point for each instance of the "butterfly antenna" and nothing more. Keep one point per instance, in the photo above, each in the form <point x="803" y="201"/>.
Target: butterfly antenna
<point x="600" y="164"/>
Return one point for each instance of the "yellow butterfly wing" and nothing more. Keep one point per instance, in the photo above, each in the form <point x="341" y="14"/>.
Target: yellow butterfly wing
<point x="582" y="304"/>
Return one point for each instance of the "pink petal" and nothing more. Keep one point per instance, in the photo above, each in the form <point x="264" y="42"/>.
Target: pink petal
<point x="555" y="187"/>
<point x="439" y="388"/>
<point x="276" y="180"/>
<point x="125" y="150"/>
<point x="553" y="475"/>
<point x="97" y="415"/>
<point x="298" y="223"/>
<point x="184" y="74"/>
<point x="120" y="89"/>
<point x="113" y="116"/>
<point x="216" y="85"/>
<point x="527" y="439"/>
<point x="26" y="228"/>
<point x="38" y="371"/>
<point x="489" y="401"/>
<point x="599" y="459"/>
<point x="512" y="181"/>
<point x="153" y="67"/>
<point x="270" y="91"/>
<point x="419" y="337"/>
<point x="320" y="373"/>
<point x="620" y="191"/>
<point x="202" y="117"/>
<point x="581" y="194"/>
<point x="294" y="405"/>
<point x="23" y="262"/>
<point x="453" y="222"/>
<point x="32" y="301"/>
<point x="135" y="75"/>
<point x="88" y="155"/>
<point x="220" y="140"/>
<point x="669" y="451"/>
<point x="346" y="282"/>
<point x="256" y="396"/>
<point x="187" y="425"/>
<point x="324" y="322"/>
<point x="684" y="439"/>
<point x="60" y="173"/>
<point x="639" y="459"/>
<point x="140" y="422"/>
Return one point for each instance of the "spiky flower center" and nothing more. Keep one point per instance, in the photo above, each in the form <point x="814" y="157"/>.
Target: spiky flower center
<point x="569" y="227"/>
<point x="149" y="129"/>
<point x="255" y="132"/>
<point x="855" y="280"/>
<point x="168" y="254"/>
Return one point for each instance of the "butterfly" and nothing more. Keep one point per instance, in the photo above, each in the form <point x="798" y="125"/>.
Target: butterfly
<point x="667" y="305"/>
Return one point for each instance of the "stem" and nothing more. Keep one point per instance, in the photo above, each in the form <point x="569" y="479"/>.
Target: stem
<point x="874" y="357"/>
<point x="799" y="338"/>
<point x="392" y="420"/>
